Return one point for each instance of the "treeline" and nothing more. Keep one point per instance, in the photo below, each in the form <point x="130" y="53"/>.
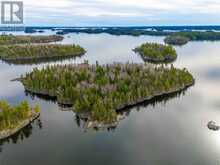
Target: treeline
<point x="153" y="31"/>
<point x="155" y="28"/>
<point x="35" y="49"/>
<point x="200" y="36"/>
<point x="29" y="52"/>
<point x="181" y="38"/>
<point x="10" y="116"/>
<point x="176" y="40"/>
<point x="113" y="31"/>
<point x="154" y="52"/>
<point x="101" y="90"/>
<point x="173" y="33"/>
<point x="12" y="39"/>
<point x="84" y="120"/>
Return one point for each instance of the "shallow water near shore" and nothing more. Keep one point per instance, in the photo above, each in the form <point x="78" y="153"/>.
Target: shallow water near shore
<point x="170" y="132"/>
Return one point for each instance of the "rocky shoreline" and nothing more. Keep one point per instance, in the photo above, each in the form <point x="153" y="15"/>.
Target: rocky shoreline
<point x="213" y="126"/>
<point x="121" y="106"/>
<point x="22" y="54"/>
<point x="103" y="89"/>
<point x="9" y="132"/>
<point x="36" y="60"/>
<point x="155" y="95"/>
<point x="38" y="57"/>
<point x="156" y="53"/>
<point x="167" y="59"/>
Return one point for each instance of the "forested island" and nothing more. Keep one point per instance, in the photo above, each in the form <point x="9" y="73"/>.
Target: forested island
<point x="27" y="53"/>
<point x="157" y="53"/>
<point x="176" y="40"/>
<point x="26" y="39"/>
<point x="13" y="119"/>
<point x="102" y="89"/>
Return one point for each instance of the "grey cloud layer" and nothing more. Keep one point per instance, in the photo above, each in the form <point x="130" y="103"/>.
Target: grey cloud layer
<point x="115" y="12"/>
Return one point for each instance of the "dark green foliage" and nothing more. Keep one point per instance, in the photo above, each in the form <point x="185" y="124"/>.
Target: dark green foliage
<point x="21" y="50"/>
<point x="176" y="40"/>
<point x="153" y="31"/>
<point x="11" y="39"/>
<point x="200" y="36"/>
<point x="181" y="38"/>
<point x="25" y="52"/>
<point x="114" y="31"/>
<point x="154" y="52"/>
<point x="11" y="116"/>
<point x="101" y="90"/>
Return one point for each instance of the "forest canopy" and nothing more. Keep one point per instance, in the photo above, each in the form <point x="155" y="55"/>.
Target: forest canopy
<point x="181" y="38"/>
<point x="10" y="117"/>
<point x="154" y="52"/>
<point x="27" y="39"/>
<point x="43" y="51"/>
<point x="102" y="89"/>
<point x="176" y="40"/>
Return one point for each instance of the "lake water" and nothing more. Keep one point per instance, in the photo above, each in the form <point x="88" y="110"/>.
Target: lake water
<point x="172" y="132"/>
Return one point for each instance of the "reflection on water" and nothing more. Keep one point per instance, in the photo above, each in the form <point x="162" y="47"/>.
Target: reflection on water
<point x="174" y="133"/>
<point x="85" y="122"/>
<point x="38" y="61"/>
<point x="40" y="96"/>
<point x="149" y="61"/>
<point x="21" y="135"/>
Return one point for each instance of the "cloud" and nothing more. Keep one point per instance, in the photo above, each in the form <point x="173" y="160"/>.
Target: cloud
<point x="126" y="12"/>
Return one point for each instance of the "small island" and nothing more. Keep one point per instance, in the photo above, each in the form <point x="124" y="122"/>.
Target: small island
<point x="103" y="89"/>
<point x="28" y="53"/>
<point x="156" y="53"/>
<point x="176" y="40"/>
<point x="13" y="119"/>
<point x="27" y="39"/>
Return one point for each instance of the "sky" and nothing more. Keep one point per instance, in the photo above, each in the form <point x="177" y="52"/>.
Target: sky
<point x="121" y="12"/>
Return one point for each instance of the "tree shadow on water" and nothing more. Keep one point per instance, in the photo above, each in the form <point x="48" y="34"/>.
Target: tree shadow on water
<point x="84" y="120"/>
<point x="22" y="134"/>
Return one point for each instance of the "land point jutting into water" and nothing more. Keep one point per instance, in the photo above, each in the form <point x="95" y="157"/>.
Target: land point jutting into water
<point x="25" y="39"/>
<point x="26" y="53"/>
<point x="181" y="38"/>
<point x="85" y="121"/>
<point x="102" y="89"/>
<point x="158" y="53"/>
<point x="13" y="119"/>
